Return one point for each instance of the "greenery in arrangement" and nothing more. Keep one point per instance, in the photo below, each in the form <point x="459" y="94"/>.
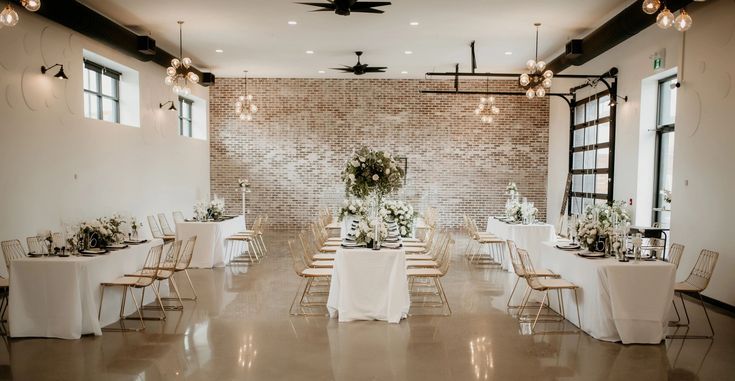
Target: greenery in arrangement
<point x="212" y="210"/>
<point x="599" y="220"/>
<point x="352" y="207"/>
<point x="371" y="171"/>
<point x="400" y="212"/>
<point x="365" y="231"/>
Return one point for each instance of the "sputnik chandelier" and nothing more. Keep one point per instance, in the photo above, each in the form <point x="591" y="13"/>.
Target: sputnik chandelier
<point x="244" y="106"/>
<point x="536" y="81"/>
<point x="9" y="17"/>
<point x="180" y="73"/>
<point x="487" y="110"/>
<point x="666" y="18"/>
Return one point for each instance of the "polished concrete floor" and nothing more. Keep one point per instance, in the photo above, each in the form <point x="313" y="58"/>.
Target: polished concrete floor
<point x="241" y="330"/>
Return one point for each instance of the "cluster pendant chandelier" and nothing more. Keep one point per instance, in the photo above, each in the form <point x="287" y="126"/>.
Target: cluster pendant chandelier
<point x="666" y="18"/>
<point x="9" y="17"/>
<point x="487" y="110"/>
<point x="244" y="106"/>
<point x="536" y="81"/>
<point x="180" y="73"/>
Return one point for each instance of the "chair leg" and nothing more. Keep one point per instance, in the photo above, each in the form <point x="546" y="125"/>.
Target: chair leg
<point x="186" y="271"/>
<point x="709" y="322"/>
<point x="518" y="279"/>
<point x="538" y="313"/>
<point x="576" y="303"/>
<point x="102" y="297"/>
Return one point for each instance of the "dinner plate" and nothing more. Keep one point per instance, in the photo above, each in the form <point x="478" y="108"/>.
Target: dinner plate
<point x="116" y="246"/>
<point x="135" y="242"/>
<point x="591" y="254"/>
<point x="568" y="247"/>
<point x="35" y="255"/>
<point x="94" y="251"/>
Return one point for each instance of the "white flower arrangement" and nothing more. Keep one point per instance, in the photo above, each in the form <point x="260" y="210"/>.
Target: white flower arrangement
<point x="513" y="210"/>
<point x="200" y="210"/>
<point x="511" y="189"/>
<point x="400" y="212"/>
<point x="97" y="233"/>
<point x="212" y="210"/>
<point x="598" y="221"/>
<point x="244" y="185"/>
<point x="528" y="212"/>
<point x="371" y="171"/>
<point x="352" y="207"/>
<point x="365" y="231"/>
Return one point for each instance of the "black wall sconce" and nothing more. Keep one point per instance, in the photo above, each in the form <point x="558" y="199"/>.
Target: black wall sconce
<point x="172" y="107"/>
<point x="613" y="102"/>
<point x="59" y="75"/>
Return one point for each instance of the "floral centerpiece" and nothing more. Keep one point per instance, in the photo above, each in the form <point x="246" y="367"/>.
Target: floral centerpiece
<point x="402" y="213"/>
<point x="365" y="231"/>
<point x="98" y="233"/>
<point x="598" y="222"/>
<point x="212" y="210"/>
<point x="134" y="226"/>
<point x="511" y="190"/>
<point x="528" y="213"/>
<point x="513" y="210"/>
<point x="371" y="172"/>
<point x="244" y="185"/>
<point x="352" y="207"/>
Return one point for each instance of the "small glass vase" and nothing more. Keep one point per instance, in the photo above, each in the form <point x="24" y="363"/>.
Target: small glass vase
<point x="134" y="234"/>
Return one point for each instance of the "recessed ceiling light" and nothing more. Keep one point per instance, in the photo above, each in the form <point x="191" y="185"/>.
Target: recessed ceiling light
<point x="508" y="53"/>
<point x="321" y="72"/>
<point x="309" y="52"/>
<point x="292" y="22"/>
<point x="404" y="72"/>
<point x="414" y="23"/>
<point x="219" y="51"/>
<point x="408" y="52"/>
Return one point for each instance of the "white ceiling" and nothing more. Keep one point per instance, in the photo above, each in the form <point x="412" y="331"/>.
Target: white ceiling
<point x="255" y="34"/>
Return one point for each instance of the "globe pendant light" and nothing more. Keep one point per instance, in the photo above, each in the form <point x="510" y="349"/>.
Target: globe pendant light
<point x="665" y="19"/>
<point x="180" y="73"/>
<point x="651" y="6"/>
<point x="31" y="5"/>
<point x="683" y="22"/>
<point x="244" y="106"/>
<point x="487" y="110"/>
<point x="537" y="80"/>
<point x="9" y="17"/>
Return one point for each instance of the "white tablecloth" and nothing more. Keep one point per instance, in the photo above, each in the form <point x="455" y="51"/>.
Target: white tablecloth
<point x="369" y="285"/>
<point x="527" y="237"/>
<point x="210" y="247"/>
<point x="59" y="297"/>
<point x="618" y="301"/>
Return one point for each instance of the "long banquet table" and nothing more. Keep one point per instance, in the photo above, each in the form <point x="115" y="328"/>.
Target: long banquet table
<point x="369" y="285"/>
<point x="529" y="237"/>
<point x="59" y="297"/>
<point x="209" y="250"/>
<point x="618" y="301"/>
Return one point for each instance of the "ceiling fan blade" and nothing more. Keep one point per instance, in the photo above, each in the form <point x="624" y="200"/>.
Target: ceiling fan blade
<point x="369" y="4"/>
<point x="345" y="69"/>
<point x="377" y="67"/>
<point x="321" y="5"/>
<point x="367" y="10"/>
<point x="374" y="70"/>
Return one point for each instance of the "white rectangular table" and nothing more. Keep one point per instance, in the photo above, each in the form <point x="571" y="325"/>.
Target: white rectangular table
<point x="618" y="301"/>
<point x="528" y="237"/>
<point x="59" y="297"/>
<point x="369" y="285"/>
<point x="210" y="247"/>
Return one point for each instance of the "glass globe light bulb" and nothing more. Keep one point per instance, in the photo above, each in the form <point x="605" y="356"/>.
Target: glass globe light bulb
<point x="248" y="117"/>
<point x="9" y="17"/>
<point x="651" y="6"/>
<point x="548" y="74"/>
<point x="170" y="71"/>
<point x="176" y="89"/>
<point x="683" y="22"/>
<point x="530" y="64"/>
<point x="530" y="94"/>
<point x="175" y="63"/>
<point x="546" y="83"/>
<point x="495" y="110"/>
<point x="483" y="100"/>
<point x="490" y="119"/>
<point x="484" y="119"/>
<point x="243" y="116"/>
<point x="253" y="109"/>
<point x="491" y="100"/>
<point x="525" y="79"/>
<point x="540" y="66"/>
<point x="238" y="104"/>
<point x="192" y="76"/>
<point x="665" y="19"/>
<point x="169" y="81"/>
<point x="249" y="97"/>
<point x="540" y="92"/>
<point x="241" y="98"/>
<point x="477" y="111"/>
<point x="186" y="62"/>
<point x="31" y="5"/>
<point x="481" y="107"/>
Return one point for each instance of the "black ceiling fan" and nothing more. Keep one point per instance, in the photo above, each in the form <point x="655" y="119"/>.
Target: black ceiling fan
<point x="361" y="68"/>
<point x="345" y="7"/>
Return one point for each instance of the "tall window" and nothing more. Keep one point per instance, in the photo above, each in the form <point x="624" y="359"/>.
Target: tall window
<point x="664" y="149"/>
<point x="185" y="116"/>
<point x="592" y="141"/>
<point x="101" y="92"/>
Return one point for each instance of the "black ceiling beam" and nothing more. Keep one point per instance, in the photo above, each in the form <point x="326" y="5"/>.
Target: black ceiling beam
<point x="88" y="22"/>
<point x="610" y="74"/>
<point x="621" y="27"/>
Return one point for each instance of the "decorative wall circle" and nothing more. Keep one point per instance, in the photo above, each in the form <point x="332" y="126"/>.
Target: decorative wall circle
<point x="34" y="87"/>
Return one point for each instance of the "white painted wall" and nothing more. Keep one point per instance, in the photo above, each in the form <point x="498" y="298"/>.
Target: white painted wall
<point x="702" y="211"/>
<point x="56" y="166"/>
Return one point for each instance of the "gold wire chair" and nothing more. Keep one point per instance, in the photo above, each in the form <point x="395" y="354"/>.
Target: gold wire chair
<point x="312" y="277"/>
<point x="165" y="227"/>
<point x="156" y="231"/>
<point x="12" y="250"/>
<point x="165" y="271"/>
<point x="522" y="274"/>
<point x="435" y="275"/>
<point x="183" y="265"/>
<point x="178" y="217"/>
<point x="696" y="282"/>
<point x="143" y="280"/>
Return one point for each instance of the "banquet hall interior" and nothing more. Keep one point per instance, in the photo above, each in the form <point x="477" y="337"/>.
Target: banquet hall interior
<point x="367" y="190"/>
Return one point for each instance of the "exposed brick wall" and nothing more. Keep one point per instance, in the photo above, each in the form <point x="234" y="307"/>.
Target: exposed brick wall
<point x="306" y="129"/>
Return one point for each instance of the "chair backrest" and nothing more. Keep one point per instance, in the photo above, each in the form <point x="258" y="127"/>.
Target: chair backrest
<point x="169" y="261"/>
<point x="675" y="252"/>
<point x="307" y="250"/>
<point x="153" y="225"/>
<point x="702" y="271"/>
<point x="446" y="257"/>
<point x="263" y="224"/>
<point x="150" y="267"/>
<point x="12" y="250"/>
<point x="178" y="216"/>
<point x="186" y="254"/>
<point x="165" y="227"/>
<point x="515" y="259"/>
<point x="525" y="259"/>
<point x="36" y="245"/>
<point x="298" y="262"/>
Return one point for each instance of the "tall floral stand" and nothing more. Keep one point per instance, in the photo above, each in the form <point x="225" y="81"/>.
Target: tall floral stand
<point x="244" y="210"/>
